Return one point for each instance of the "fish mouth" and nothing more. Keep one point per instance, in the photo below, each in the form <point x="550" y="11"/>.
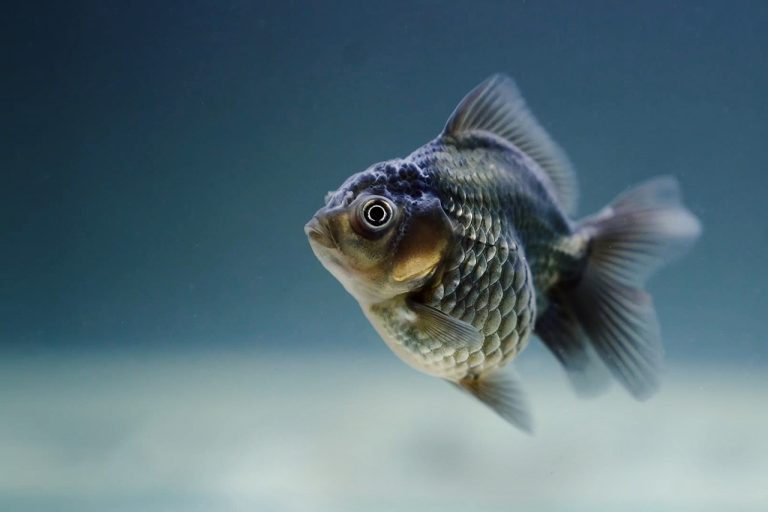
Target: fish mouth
<point x="318" y="233"/>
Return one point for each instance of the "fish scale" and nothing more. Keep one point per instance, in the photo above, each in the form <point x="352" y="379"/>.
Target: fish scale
<point x="485" y="283"/>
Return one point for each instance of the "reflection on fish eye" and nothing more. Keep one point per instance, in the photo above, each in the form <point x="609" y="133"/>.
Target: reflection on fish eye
<point x="377" y="213"/>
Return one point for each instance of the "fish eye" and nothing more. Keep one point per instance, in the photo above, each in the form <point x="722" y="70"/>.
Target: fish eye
<point x="374" y="215"/>
<point x="377" y="212"/>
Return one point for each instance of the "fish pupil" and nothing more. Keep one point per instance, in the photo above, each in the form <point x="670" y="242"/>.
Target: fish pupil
<point x="376" y="213"/>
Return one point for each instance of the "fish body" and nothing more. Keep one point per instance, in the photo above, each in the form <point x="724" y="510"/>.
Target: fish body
<point x="460" y="251"/>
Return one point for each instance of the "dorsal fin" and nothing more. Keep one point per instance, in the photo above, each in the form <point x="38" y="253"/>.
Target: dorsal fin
<point x="496" y="106"/>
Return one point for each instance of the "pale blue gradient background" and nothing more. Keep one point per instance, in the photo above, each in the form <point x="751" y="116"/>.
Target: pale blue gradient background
<point x="158" y="162"/>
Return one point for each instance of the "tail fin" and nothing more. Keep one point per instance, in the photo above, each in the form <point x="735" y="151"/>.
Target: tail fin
<point x="628" y="240"/>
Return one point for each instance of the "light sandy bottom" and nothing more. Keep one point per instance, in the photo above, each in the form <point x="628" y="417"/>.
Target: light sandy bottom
<point x="362" y="433"/>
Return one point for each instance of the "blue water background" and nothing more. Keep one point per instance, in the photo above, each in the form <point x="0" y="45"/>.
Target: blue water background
<point x="159" y="160"/>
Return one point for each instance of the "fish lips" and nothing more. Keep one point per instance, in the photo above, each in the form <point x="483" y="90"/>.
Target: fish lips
<point x="318" y="233"/>
<point x="327" y="250"/>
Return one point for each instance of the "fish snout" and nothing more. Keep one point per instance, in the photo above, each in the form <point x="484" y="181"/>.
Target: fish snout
<point x="318" y="232"/>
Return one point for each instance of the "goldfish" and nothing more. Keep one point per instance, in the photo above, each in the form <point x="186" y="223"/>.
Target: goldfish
<point x="461" y="251"/>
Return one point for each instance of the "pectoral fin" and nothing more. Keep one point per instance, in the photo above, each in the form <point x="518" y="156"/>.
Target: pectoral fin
<point x="503" y="394"/>
<point x="440" y="327"/>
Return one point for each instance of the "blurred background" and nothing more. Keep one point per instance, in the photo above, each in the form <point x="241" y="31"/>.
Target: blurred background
<point x="169" y="342"/>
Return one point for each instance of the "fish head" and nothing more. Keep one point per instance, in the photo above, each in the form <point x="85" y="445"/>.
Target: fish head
<point x="382" y="234"/>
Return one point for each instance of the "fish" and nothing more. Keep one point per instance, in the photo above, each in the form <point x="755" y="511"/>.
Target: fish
<point x="461" y="251"/>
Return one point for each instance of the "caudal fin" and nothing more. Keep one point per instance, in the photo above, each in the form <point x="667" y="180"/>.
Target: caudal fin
<point x="628" y="240"/>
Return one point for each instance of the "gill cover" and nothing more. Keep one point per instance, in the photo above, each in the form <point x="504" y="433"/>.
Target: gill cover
<point x="386" y="245"/>
<point x="426" y="236"/>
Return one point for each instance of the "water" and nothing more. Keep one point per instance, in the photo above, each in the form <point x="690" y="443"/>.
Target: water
<point x="169" y="341"/>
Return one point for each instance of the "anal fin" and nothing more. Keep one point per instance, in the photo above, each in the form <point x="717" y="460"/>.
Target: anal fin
<point x="561" y="332"/>
<point x="503" y="394"/>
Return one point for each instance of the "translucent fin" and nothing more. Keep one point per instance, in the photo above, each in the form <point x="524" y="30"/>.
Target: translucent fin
<point x="561" y="332"/>
<point x="630" y="239"/>
<point x="640" y="231"/>
<point x="503" y="394"/>
<point x="445" y="329"/>
<point x="496" y="106"/>
<point x="622" y="325"/>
